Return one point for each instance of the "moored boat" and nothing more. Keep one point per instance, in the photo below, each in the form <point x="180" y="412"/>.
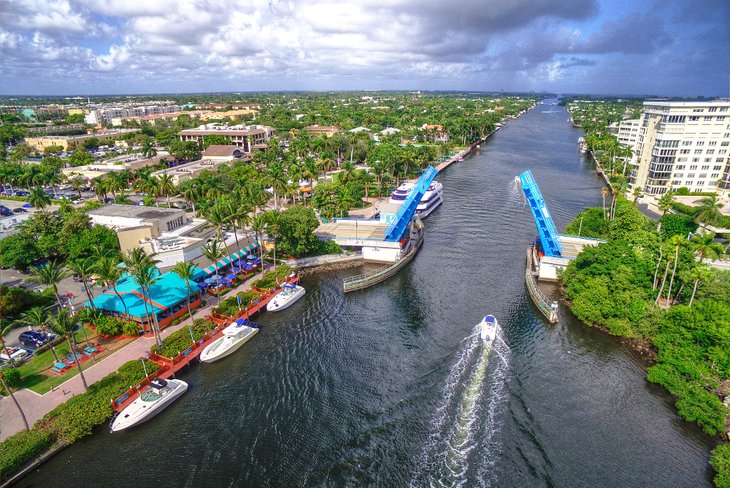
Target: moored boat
<point x="290" y="293"/>
<point x="488" y="328"/>
<point x="234" y="336"/>
<point x="400" y="194"/>
<point x="431" y="199"/>
<point x="152" y="401"/>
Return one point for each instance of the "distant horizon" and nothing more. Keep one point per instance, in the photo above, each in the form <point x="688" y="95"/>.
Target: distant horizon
<point x="612" y="48"/>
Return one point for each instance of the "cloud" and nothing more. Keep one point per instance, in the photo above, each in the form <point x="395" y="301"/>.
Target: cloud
<point x="206" y="45"/>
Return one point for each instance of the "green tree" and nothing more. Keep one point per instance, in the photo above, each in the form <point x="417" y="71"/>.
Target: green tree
<point x="141" y="267"/>
<point x="39" y="198"/>
<point x="214" y="251"/>
<point x="107" y="271"/>
<point x="294" y="232"/>
<point x="166" y="186"/>
<point x="186" y="271"/>
<point x="709" y="211"/>
<point x="64" y="323"/>
<point x="49" y="274"/>
<point x="665" y="202"/>
<point x="37" y="317"/>
<point x="706" y="247"/>
<point x="84" y="268"/>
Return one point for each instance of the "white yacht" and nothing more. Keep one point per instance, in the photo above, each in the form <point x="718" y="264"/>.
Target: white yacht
<point x="431" y="199"/>
<point x="152" y="401"/>
<point x="289" y="294"/>
<point x="234" y="336"/>
<point x="401" y="193"/>
<point x="488" y="328"/>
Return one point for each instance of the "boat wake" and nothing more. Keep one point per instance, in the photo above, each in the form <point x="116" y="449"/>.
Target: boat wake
<point x="517" y="196"/>
<point x="465" y="422"/>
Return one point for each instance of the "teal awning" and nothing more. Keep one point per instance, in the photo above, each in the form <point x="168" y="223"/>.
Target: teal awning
<point x="226" y="260"/>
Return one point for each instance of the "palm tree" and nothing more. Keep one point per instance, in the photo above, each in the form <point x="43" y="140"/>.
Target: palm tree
<point x="272" y="222"/>
<point x="709" y="211"/>
<point x="106" y="270"/>
<point x="699" y="273"/>
<point x="666" y="201"/>
<point x="50" y="274"/>
<point x="3" y="344"/>
<point x="677" y="242"/>
<point x="39" y="198"/>
<point x="190" y="191"/>
<point x="706" y="247"/>
<point x="215" y="252"/>
<point x="84" y="268"/>
<point x="258" y="224"/>
<point x="144" y="274"/>
<point x="165" y="186"/>
<point x="276" y="177"/>
<point x="64" y="323"/>
<point x="185" y="271"/>
<point x="37" y="317"/>
<point x="15" y="400"/>
<point x="148" y="150"/>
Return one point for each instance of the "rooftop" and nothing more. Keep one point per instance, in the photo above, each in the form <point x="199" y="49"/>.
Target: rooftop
<point x="220" y="150"/>
<point x="135" y="211"/>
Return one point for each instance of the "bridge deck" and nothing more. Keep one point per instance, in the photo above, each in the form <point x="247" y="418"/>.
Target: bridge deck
<point x="352" y="229"/>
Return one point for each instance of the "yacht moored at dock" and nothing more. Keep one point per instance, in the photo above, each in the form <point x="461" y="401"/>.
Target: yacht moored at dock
<point x="152" y="401"/>
<point x="234" y="336"/>
<point x="431" y="200"/>
<point x="290" y="293"/>
<point x="401" y="193"/>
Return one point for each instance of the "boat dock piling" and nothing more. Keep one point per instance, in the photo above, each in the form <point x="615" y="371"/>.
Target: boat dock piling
<point x="549" y="308"/>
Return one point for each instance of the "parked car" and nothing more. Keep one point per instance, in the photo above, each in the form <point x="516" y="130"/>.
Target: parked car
<point x="19" y="210"/>
<point x="35" y="339"/>
<point x="16" y="354"/>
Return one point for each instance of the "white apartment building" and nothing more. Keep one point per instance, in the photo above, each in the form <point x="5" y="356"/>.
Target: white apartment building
<point x="628" y="131"/>
<point x="105" y="115"/>
<point x="682" y="144"/>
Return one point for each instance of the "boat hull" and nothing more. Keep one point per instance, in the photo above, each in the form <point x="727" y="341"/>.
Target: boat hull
<point x="488" y="329"/>
<point x="430" y="207"/>
<point x="139" y="414"/>
<point x="279" y="303"/>
<point x="226" y="345"/>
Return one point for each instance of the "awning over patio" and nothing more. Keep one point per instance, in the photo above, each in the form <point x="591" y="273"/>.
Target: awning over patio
<point x="226" y="260"/>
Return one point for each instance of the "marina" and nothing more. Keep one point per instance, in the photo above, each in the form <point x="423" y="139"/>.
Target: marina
<point x="387" y="390"/>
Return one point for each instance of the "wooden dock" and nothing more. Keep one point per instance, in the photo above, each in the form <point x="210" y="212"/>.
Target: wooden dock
<point x="547" y="307"/>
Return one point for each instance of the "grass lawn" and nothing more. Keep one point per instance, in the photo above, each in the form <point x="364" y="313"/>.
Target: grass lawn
<point x="37" y="375"/>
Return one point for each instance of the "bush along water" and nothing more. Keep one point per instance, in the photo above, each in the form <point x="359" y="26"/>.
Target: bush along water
<point x="651" y="286"/>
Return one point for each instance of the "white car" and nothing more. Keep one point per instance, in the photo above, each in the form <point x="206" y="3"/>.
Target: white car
<point x="15" y="355"/>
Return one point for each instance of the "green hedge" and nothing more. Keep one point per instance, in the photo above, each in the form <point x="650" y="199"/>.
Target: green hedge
<point x="107" y="325"/>
<point x="179" y="341"/>
<point x="269" y="279"/>
<point x="71" y="420"/>
<point x="21" y="448"/>
<point x="230" y="306"/>
<point x="131" y="328"/>
<point x="721" y="462"/>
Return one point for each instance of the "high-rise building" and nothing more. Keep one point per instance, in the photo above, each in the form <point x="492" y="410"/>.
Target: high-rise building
<point x="682" y="144"/>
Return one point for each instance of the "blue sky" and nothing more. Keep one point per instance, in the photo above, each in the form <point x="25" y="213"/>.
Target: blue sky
<point x="641" y="47"/>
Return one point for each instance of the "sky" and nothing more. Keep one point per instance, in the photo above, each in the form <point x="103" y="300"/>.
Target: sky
<point x="611" y="47"/>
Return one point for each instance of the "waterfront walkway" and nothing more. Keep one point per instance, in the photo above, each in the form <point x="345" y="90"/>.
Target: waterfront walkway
<point x="35" y="406"/>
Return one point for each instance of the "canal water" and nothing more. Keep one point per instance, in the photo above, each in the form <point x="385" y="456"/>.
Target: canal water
<point x="385" y="387"/>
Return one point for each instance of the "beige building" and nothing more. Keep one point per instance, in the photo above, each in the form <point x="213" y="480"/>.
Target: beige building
<point x="243" y="136"/>
<point x="322" y="130"/>
<point x="213" y="157"/>
<point x="167" y="232"/>
<point x="682" y="144"/>
<point x="69" y="143"/>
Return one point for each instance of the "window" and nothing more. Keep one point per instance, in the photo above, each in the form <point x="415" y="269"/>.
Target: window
<point x="676" y="183"/>
<point x="700" y="143"/>
<point x="684" y="151"/>
<point x="712" y="109"/>
<point x="686" y="143"/>
<point x="698" y="151"/>
<point x="710" y="151"/>
<point x="708" y="160"/>
<point x="679" y="175"/>
<point x="698" y="110"/>
<point x="712" y="143"/>
<point x="705" y="167"/>
<point x="694" y="118"/>
<point x="682" y="160"/>
<point x="716" y="168"/>
<point x="680" y="166"/>
<point x="725" y="143"/>
<point x="715" y="176"/>
<point x="721" y="118"/>
<point x="708" y="118"/>
<point x="723" y="109"/>
<point x="694" y="166"/>
<point x="703" y="175"/>
<point x="695" y="160"/>
<point x="687" y="183"/>
<point x="676" y="119"/>
<point x="690" y="175"/>
<point x="719" y="160"/>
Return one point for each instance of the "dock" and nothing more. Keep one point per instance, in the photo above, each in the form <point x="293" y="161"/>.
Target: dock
<point x="547" y="307"/>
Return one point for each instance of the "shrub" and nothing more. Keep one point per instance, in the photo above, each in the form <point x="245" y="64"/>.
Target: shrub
<point x="677" y="225"/>
<point x="19" y="449"/>
<point x="269" y="279"/>
<point x="12" y="377"/>
<point x="108" y="325"/>
<point x="721" y="462"/>
<point x="180" y="340"/>
<point x="131" y="328"/>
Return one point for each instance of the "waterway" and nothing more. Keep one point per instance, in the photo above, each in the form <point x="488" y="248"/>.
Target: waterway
<point x="383" y="387"/>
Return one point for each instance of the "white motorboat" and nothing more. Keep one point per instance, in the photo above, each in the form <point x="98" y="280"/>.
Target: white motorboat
<point x="152" y="401"/>
<point x="401" y="193"/>
<point x="488" y="328"/>
<point x="431" y="199"/>
<point x="289" y="294"/>
<point x="234" y="336"/>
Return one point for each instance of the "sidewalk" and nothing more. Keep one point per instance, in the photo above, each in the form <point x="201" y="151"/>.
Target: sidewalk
<point x="35" y="406"/>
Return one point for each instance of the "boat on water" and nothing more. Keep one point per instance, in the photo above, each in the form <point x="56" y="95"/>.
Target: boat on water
<point x="152" y="401"/>
<point x="431" y="199"/>
<point x="488" y="328"/>
<point x="290" y="293"/>
<point x="401" y="193"/>
<point x="234" y="336"/>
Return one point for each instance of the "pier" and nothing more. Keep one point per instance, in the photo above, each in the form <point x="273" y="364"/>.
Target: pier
<point x="547" y="307"/>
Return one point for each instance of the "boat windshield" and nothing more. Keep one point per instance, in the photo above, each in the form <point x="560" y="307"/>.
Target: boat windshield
<point x="152" y="395"/>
